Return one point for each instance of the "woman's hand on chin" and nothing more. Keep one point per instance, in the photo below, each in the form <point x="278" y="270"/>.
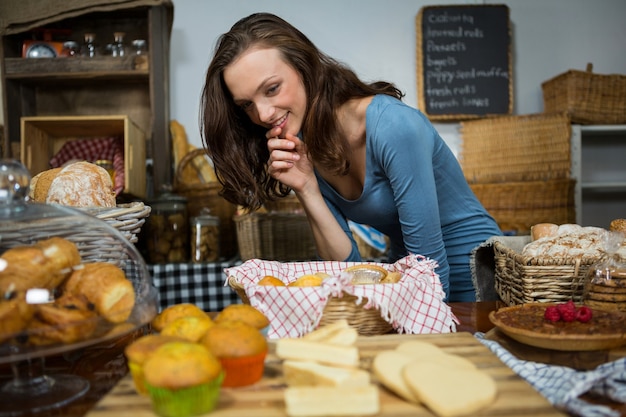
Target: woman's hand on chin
<point x="288" y="162"/>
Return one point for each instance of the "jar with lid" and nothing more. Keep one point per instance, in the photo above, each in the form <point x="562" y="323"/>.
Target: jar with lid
<point x="166" y="235"/>
<point x="205" y="239"/>
<point x="118" y="46"/>
<point x="70" y="49"/>
<point x="609" y="273"/>
<point x="89" y="46"/>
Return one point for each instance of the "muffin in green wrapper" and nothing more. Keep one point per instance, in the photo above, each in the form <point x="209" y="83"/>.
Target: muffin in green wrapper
<point x="183" y="379"/>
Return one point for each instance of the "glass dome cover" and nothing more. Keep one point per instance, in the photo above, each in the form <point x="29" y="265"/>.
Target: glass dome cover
<point x="23" y="223"/>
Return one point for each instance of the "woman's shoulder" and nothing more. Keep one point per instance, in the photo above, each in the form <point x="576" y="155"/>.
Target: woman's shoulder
<point x="385" y="109"/>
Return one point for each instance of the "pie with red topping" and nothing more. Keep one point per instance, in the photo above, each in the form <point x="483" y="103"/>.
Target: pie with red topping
<point x="526" y="323"/>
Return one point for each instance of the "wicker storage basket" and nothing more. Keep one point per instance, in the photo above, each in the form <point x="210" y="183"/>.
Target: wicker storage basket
<point x="516" y="148"/>
<point x="126" y="218"/>
<point x="523" y="279"/>
<point x="277" y="236"/>
<point x="206" y="196"/>
<point x="587" y="97"/>
<point x="367" y="322"/>
<point x="516" y="206"/>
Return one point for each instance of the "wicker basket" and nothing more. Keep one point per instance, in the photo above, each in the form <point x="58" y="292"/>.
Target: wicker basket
<point x="126" y="218"/>
<point x="206" y="196"/>
<point x="587" y="97"/>
<point x="516" y="148"/>
<point x="523" y="279"/>
<point x="367" y="322"/>
<point x="516" y="206"/>
<point x="277" y="236"/>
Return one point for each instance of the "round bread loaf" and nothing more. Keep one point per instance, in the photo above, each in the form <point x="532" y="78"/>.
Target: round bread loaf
<point x="618" y="225"/>
<point x="40" y="184"/>
<point x="81" y="184"/>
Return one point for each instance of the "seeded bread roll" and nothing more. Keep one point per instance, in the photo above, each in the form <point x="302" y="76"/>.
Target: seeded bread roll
<point x="618" y="225"/>
<point x="40" y="184"/>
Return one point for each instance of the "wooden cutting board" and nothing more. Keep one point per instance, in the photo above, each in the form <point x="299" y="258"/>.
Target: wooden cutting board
<point x="265" y="399"/>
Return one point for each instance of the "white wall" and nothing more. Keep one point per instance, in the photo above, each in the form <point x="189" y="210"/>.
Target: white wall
<point x="377" y="39"/>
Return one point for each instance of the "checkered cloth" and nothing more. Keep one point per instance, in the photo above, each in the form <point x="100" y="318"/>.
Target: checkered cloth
<point x="562" y="385"/>
<point x="413" y="305"/>
<point x="199" y="284"/>
<point x="92" y="150"/>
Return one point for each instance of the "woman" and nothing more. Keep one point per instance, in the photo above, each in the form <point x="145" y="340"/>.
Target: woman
<point x="280" y="115"/>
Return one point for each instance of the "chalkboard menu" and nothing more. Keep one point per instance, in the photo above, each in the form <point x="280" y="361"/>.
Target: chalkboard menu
<point x="464" y="61"/>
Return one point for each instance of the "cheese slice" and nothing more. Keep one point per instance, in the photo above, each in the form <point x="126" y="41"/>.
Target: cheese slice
<point x="332" y="401"/>
<point x="450" y="392"/>
<point x="300" y="373"/>
<point x="300" y="349"/>
<point x="321" y="333"/>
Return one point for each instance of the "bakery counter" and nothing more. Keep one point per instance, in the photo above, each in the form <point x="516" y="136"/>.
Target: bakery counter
<point x="199" y="283"/>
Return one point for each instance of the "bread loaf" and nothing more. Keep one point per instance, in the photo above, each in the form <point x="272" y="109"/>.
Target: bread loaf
<point x="79" y="184"/>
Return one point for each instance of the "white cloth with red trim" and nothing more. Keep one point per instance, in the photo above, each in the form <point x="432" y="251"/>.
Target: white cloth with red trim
<point x="413" y="305"/>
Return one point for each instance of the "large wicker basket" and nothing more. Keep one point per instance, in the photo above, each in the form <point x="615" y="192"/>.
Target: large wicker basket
<point x="523" y="279"/>
<point x="278" y="236"/>
<point x="368" y="322"/>
<point x="206" y="196"/>
<point x="516" y="206"/>
<point x="587" y="97"/>
<point x="516" y="148"/>
<point x="126" y="218"/>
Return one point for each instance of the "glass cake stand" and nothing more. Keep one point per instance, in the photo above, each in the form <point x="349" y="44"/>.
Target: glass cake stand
<point x="31" y="388"/>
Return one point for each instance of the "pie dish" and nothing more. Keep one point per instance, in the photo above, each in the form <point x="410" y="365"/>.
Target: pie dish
<point x="525" y="323"/>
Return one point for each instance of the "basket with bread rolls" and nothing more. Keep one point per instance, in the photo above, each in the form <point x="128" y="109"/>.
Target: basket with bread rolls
<point x="553" y="262"/>
<point x="88" y="187"/>
<point x="375" y="298"/>
<point x="67" y="279"/>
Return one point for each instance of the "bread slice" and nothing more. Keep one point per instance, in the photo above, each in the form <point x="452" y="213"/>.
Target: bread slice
<point x="450" y="392"/>
<point x="388" y="366"/>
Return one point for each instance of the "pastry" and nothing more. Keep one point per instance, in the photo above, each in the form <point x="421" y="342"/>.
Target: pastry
<point x="69" y="319"/>
<point x="190" y="328"/>
<point x="175" y="311"/>
<point x="245" y="313"/>
<point x="105" y="285"/>
<point x="15" y="315"/>
<point x="138" y="352"/>
<point x="241" y="350"/>
<point x="182" y="379"/>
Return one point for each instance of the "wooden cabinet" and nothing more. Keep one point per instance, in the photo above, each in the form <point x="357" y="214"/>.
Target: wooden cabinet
<point x="104" y="85"/>
<point x="599" y="168"/>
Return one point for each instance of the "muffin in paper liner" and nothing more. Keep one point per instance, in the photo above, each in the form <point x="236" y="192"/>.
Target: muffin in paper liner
<point x="243" y="371"/>
<point x="413" y="305"/>
<point x="186" y="402"/>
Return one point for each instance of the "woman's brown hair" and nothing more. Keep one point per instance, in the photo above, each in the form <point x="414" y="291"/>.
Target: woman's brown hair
<point x="238" y="147"/>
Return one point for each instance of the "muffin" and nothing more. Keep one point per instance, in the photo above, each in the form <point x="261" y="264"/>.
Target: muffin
<point x="183" y="379"/>
<point x="191" y="328"/>
<point x="175" y="311"/>
<point x="241" y="350"/>
<point x="139" y="351"/>
<point x="245" y="313"/>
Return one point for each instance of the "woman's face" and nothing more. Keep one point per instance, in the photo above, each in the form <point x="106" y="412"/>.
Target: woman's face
<point x="268" y="89"/>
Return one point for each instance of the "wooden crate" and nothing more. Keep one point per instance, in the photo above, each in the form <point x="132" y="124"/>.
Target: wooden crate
<point x="43" y="136"/>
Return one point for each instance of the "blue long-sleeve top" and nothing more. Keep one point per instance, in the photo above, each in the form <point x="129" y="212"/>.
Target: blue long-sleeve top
<point x="416" y="194"/>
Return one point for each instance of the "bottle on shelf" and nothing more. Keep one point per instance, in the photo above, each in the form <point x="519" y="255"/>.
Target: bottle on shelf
<point x="89" y="46"/>
<point x="119" y="47"/>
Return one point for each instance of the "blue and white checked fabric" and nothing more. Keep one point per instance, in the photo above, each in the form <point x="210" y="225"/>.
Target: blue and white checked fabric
<point x="199" y="284"/>
<point x="562" y="386"/>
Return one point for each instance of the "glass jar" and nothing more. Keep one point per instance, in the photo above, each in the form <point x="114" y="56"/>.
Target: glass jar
<point x="118" y="47"/>
<point x="166" y="237"/>
<point x="89" y="46"/>
<point x="71" y="49"/>
<point x="607" y="276"/>
<point x="107" y="164"/>
<point x="205" y="239"/>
